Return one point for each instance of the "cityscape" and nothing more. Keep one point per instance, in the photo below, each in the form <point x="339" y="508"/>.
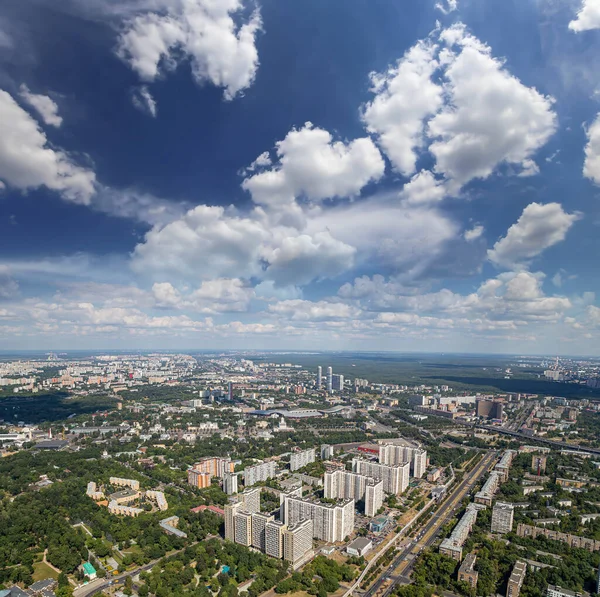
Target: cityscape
<point x="201" y="474"/>
<point x="299" y="298"/>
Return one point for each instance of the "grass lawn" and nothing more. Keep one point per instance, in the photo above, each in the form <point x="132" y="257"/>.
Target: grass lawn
<point x="42" y="571"/>
<point x="134" y="549"/>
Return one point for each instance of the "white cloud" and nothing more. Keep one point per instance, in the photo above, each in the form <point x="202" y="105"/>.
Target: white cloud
<point x="43" y="105"/>
<point x="142" y="99"/>
<point x="220" y="295"/>
<point x="137" y="205"/>
<point x="591" y="166"/>
<point x="490" y="118"/>
<point x="538" y="228"/>
<point x="204" y="31"/>
<point x="239" y="246"/>
<point x="312" y="164"/>
<point x="263" y="160"/>
<point x="404" y="96"/>
<point x="8" y="286"/>
<point x="422" y="189"/>
<point x="27" y="162"/>
<point x="447" y="6"/>
<point x="529" y="168"/>
<point x="557" y="279"/>
<point x="474" y="233"/>
<point x="299" y="310"/>
<point x="588" y="16"/>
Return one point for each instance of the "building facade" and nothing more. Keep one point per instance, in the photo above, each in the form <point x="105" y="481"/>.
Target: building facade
<point x="259" y="472"/>
<point x="299" y="460"/>
<point x="502" y="518"/>
<point x="395" y="477"/>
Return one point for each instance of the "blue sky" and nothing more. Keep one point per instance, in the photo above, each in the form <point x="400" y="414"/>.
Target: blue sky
<point x="347" y="174"/>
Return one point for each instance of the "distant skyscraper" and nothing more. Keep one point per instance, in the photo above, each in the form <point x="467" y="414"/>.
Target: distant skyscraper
<point x="337" y="382"/>
<point x="230" y="390"/>
<point x="329" y="379"/>
<point x="319" y="377"/>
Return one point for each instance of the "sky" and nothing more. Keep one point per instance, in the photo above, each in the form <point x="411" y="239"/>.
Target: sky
<point x="331" y="175"/>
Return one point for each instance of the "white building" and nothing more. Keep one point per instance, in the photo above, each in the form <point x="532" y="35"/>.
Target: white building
<point x="502" y="518"/>
<point x="397" y="454"/>
<point x="251" y="500"/>
<point x="243" y="528"/>
<point x="299" y="460"/>
<point x="297" y="543"/>
<point x="395" y="477"/>
<point x="274" y="530"/>
<point x="259" y="526"/>
<point x="259" y="472"/>
<point x="341" y="484"/>
<point x="373" y="497"/>
<point x="337" y="383"/>
<point x="230" y="483"/>
<point x="331" y="522"/>
<point x="230" y="512"/>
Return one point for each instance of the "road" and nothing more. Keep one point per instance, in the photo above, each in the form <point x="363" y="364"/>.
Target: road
<point x="401" y="567"/>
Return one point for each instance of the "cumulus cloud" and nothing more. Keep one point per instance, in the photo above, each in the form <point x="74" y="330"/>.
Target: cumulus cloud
<point x="28" y="162"/>
<point x="300" y="310"/>
<point x="206" y="32"/>
<point x="313" y="165"/>
<point x="591" y="166"/>
<point x="529" y="168"/>
<point x="423" y="188"/>
<point x="490" y="118"/>
<point x="474" y="233"/>
<point x="404" y="96"/>
<point x="447" y="6"/>
<point x="588" y="16"/>
<point x="538" y="228"/>
<point x="239" y="246"/>
<point x="142" y="99"/>
<point x="220" y="295"/>
<point x="43" y="105"/>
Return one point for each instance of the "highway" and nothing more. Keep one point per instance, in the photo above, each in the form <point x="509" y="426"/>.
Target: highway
<point x="400" y="568"/>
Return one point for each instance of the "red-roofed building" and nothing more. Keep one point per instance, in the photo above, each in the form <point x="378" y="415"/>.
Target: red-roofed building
<point x="213" y="509"/>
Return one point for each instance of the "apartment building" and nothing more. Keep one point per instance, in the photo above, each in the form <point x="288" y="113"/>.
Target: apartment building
<point x="259" y="472"/>
<point x="486" y="495"/>
<point x="331" y="522"/>
<point x="243" y="528"/>
<point x="251" y="499"/>
<point x="452" y="545"/>
<point x="297" y="543"/>
<point x="327" y="452"/>
<point x="230" y="483"/>
<point x="119" y="482"/>
<point x="299" y="460"/>
<point x="259" y="526"/>
<point x="230" y="512"/>
<point x="395" y="477"/>
<point x="274" y="538"/>
<point x="121" y="510"/>
<point x="526" y="530"/>
<point x="159" y="498"/>
<point x="198" y="478"/>
<point x="502" y="518"/>
<point x="515" y="582"/>
<point x="373" y="497"/>
<point x="215" y="466"/>
<point x="398" y="454"/>
<point x="92" y="492"/>
<point x="503" y="467"/>
<point x="467" y="572"/>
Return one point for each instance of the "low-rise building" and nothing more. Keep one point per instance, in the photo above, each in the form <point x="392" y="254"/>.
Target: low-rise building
<point x="359" y="547"/>
<point x="467" y="572"/>
<point x="515" y="582"/>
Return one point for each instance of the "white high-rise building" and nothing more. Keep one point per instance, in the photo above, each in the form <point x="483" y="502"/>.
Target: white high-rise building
<point x="396" y="454"/>
<point x="259" y="526"/>
<point x="329" y="379"/>
<point x="331" y="522"/>
<point x="251" y="500"/>
<point x="319" y="377"/>
<point x="342" y="484"/>
<point x="259" y="472"/>
<point x="243" y="528"/>
<point x="373" y="497"/>
<point x="297" y="543"/>
<point x="502" y="518"/>
<point x="327" y="452"/>
<point x="274" y="538"/>
<point x="337" y="383"/>
<point x="299" y="460"/>
<point x="230" y="512"/>
<point x="395" y="477"/>
<point x="230" y="483"/>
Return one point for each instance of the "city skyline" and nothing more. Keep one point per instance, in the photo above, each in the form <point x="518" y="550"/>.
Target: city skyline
<point x="435" y="191"/>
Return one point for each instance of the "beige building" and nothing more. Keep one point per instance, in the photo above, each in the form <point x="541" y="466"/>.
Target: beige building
<point x="515" y="582"/>
<point x="297" y="543"/>
<point x="467" y="572"/>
